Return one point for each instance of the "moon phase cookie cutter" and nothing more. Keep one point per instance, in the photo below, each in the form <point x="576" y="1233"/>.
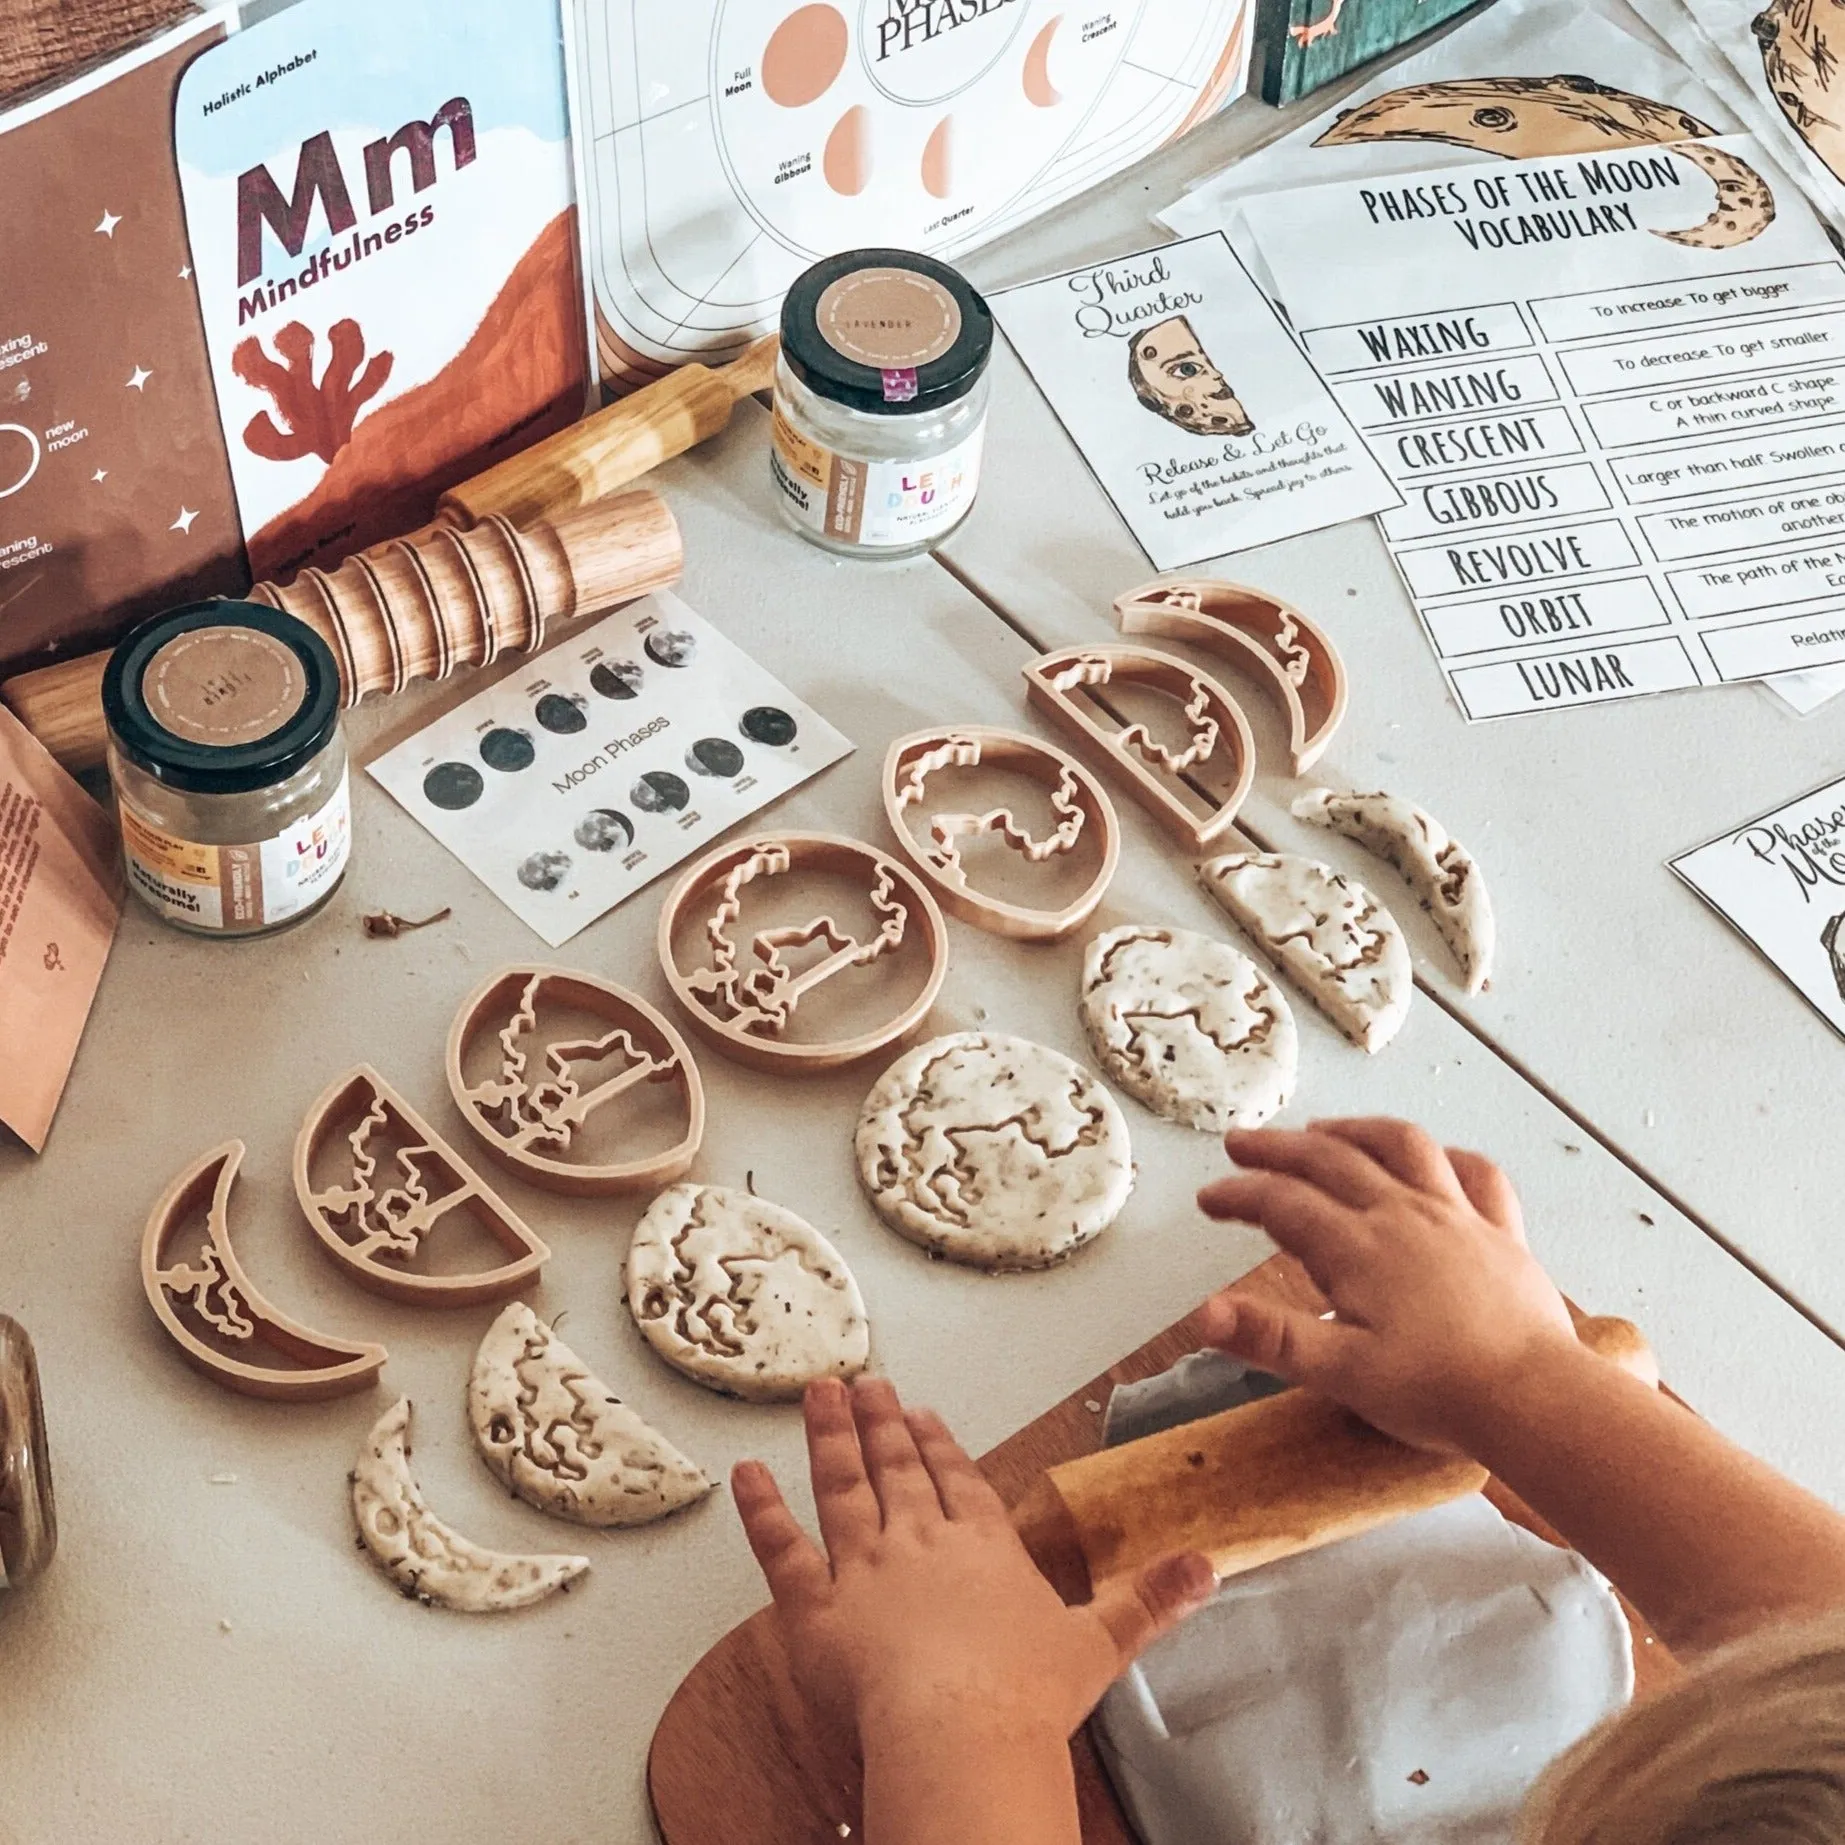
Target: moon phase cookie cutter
<point x="401" y="1181"/>
<point x="211" y="1290"/>
<point x="1082" y="808"/>
<point x="744" y="998"/>
<point x="1249" y="625"/>
<point x="527" y="1118"/>
<point x="1056" y="682"/>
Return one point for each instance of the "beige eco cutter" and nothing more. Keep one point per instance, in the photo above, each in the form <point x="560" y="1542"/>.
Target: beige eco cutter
<point x="1082" y="809"/>
<point x="401" y="1179"/>
<point x="1057" y="683"/>
<point x="1248" y="625"/>
<point x="222" y="1325"/>
<point x="743" y="998"/>
<point x="528" y="1114"/>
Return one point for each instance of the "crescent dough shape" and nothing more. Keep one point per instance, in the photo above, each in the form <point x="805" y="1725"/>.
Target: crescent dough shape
<point x="213" y="1291"/>
<point x="554" y="1433"/>
<point x="1520" y="118"/>
<point x="1323" y="931"/>
<point x="1439" y="869"/>
<point x="429" y="1562"/>
<point x="1250" y="625"/>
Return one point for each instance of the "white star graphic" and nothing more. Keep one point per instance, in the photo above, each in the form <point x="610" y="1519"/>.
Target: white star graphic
<point x="109" y="221"/>
<point x="139" y="381"/>
<point x="185" y="273"/>
<point x="101" y="474"/>
<point x="184" y="522"/>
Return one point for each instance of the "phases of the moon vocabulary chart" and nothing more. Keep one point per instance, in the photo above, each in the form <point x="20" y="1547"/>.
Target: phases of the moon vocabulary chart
<point x="1611" y="387"/>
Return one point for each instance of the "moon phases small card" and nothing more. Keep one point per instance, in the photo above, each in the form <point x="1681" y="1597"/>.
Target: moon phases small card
<point x="1191" y="403"/>
<point x="1779" y="882"/>
<point x="614" y="756"/>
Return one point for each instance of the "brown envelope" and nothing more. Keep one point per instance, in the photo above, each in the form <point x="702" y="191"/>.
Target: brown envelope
<point x="60" y="899"/>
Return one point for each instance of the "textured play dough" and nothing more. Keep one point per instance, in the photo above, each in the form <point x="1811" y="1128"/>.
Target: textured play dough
<point x="1189" y="1026"/>
<point x="994" y="1151"/>
<point x="1323" y="931"/>
<point x="1406" y="1687"/>
<point x="1439" y="869"/>
<point x="561" y="1439"/>
<point x="428" y="1561"/>
<point x="743" y="1295"/>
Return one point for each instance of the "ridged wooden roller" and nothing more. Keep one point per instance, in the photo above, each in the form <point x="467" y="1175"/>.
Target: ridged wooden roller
<point x="418" y="607"/>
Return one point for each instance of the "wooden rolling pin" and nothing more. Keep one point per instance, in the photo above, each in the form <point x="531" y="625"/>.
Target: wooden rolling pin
<point x="1250" y="1485"/>
<point x="417" y="607"/>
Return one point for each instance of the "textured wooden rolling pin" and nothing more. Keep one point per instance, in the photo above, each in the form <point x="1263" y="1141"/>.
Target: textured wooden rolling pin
<point x="417" y="607"/>
<point x="1250" y="1485"/>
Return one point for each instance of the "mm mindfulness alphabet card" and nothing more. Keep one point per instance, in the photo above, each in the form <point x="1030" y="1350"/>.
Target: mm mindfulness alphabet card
<point x="1780" y="882"/>
<point x="1191" y="403"/>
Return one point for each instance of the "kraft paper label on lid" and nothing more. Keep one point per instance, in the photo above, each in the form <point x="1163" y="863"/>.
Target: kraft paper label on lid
<point x="889" y="319"/>
<point x="223" y="686"/>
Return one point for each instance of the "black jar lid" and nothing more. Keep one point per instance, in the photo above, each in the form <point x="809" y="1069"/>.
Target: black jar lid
<point x="889" y="332"/>
<point x="222" y="697"/>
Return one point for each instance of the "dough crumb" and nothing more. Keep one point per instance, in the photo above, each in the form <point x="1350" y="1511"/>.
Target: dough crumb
<point x="1420" y="1778"/>
<point x="223" y="1479"/>
<point x="1093" y="1407"/>
<point x="1644" y="1219"/>
<point x="1651" y="1119"/>
<point x="224" y="1626"/>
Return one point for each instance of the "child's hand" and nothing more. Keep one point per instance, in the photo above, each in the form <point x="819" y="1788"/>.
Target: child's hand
<point x="1439" y="1304"/>
<point x="925" y="1608"/>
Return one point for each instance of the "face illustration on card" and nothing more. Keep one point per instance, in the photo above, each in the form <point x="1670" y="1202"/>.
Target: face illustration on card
<point x="1173" y="376"/>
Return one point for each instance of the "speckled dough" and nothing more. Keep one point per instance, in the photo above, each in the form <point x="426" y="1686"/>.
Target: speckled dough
<point x="1440" y="870"/>
<point x="561" y="1439"/>
<point x="1323" y="931"/>
<point x="1189" y="1026"/>
<point x="994" y="1151"/>
<point x="742" y="1295"/>
<point x="429" y="1562"/>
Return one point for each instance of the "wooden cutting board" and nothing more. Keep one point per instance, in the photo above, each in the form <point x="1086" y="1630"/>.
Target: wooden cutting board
<point x="736" y="1759"/>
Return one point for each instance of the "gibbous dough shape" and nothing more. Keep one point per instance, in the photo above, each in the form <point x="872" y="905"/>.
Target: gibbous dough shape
<point x="742" y="1295"/>
<point x="1406" y="1687"/>
<point x="1189" y="1026"/>
<point x="561" y="1439"/>
<point x="429" y="1562"/>
<point x="994" y="1151"/>
<point x="1323" y="931"/>
<point x="1440" y="870"/>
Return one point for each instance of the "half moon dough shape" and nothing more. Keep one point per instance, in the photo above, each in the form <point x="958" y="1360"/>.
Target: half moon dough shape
<point x="994" y="1151"/>
<point x="1438" y="868"/>
<point x="1406" y="1687"/>
<point x="1325" y="932"/>
<point x="427" y="1560"/>
<point x="743" y="1296"/>
<point x="559" y="1438"/>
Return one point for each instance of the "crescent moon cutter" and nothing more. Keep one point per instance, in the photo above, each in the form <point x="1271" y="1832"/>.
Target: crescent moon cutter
<point x="214" y="1292"/>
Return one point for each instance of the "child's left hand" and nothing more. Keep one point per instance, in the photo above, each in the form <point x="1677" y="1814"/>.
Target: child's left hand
<point x="925" y="1607"/>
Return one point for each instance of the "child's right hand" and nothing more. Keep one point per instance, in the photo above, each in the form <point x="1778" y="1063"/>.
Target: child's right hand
<point x="1441" y="1310"/>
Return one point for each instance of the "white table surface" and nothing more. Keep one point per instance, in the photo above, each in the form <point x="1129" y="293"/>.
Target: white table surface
<point x="215" y="1661"/>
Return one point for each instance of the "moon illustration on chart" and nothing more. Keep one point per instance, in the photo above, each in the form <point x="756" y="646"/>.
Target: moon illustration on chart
<point x="804" y="55"/>
<point x="32" y="458"/>
<point x="220" y="1322"/>
<point x="1523" y="118"/>
<point x="938" y="172"/>
<point x="1040" y="91"/>
<point x="847" y="160"/>
<point x="428" y="1560"/>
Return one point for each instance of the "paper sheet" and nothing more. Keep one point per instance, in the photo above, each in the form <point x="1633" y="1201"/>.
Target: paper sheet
<point x="1613" y="388"/>
<point x="614" y="756"/>
<point x="1779" y="882"/>
<point x="60" y="900"/>
<point x="1190" y="402"/>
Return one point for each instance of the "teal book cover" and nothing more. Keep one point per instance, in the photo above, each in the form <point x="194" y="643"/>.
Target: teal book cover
<point x="1301" y="45"/>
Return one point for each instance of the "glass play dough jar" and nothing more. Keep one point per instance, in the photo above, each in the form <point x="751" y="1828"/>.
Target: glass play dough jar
<point x="229" y="767"/>
<point x="880" y="402"/>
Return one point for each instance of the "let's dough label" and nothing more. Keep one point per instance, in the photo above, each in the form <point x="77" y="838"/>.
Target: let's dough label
<point x="876" y="504"/>
<point x="240" y="887"/>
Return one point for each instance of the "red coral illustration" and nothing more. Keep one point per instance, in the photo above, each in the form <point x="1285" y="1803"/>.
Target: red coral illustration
<point x="318" y="417"/>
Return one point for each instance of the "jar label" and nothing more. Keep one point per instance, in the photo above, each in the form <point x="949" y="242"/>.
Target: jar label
<point x="240" y="888"/>
<point x="223" y="686"/>
<point x="889" y="319"/>
<point x="877" y="504"/>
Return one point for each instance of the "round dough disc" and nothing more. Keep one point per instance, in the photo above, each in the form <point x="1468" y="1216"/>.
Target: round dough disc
<point x="994" y="1151"/>
<point x="1189" y="1026"/>
<point x="742" y="1295"/>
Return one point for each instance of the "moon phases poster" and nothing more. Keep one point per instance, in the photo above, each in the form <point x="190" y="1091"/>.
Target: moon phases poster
<point x="1190" y="402"/>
